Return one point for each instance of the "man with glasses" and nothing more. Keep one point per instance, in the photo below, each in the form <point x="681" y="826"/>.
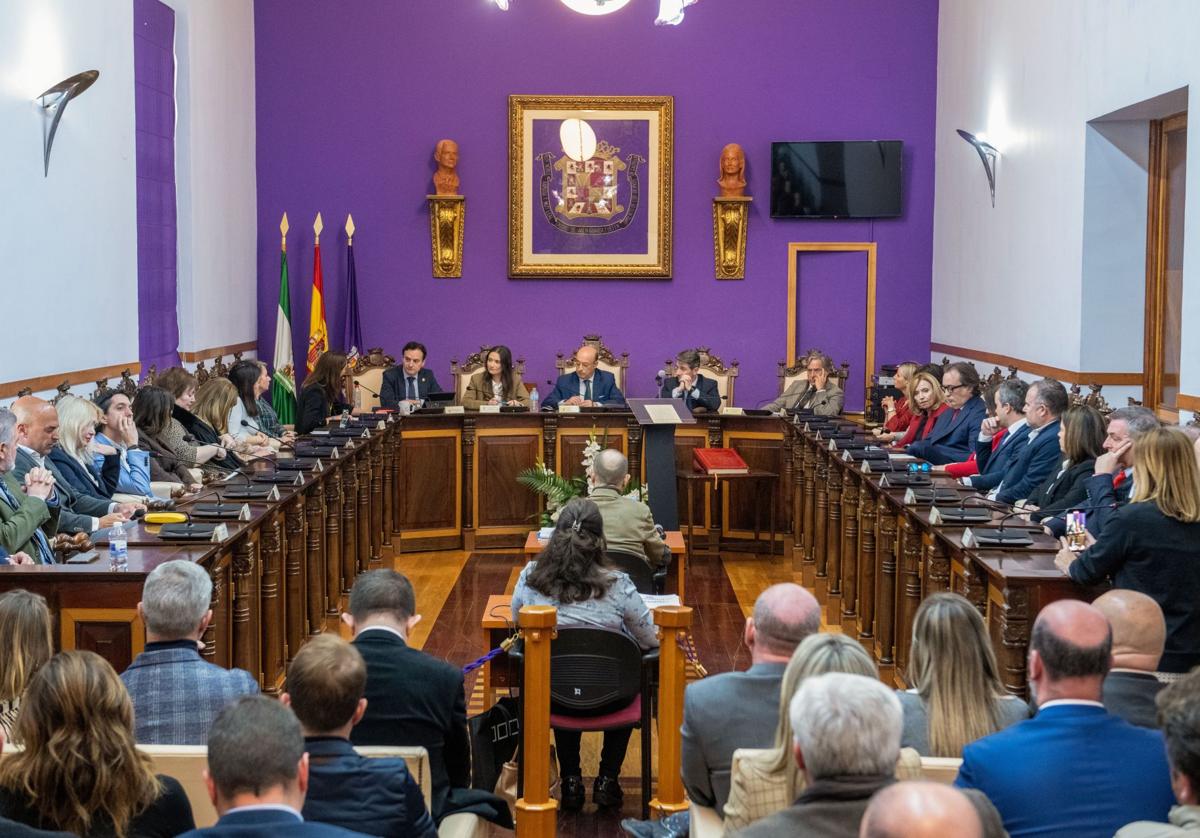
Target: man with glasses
<point x="587" y="386"/>
<point x="817" y="391"/>
<point x="954" y="432"/>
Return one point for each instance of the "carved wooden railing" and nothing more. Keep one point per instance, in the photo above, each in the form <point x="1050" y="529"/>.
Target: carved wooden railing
<point x="673" y="622"/>
<point x="537" y="812"/>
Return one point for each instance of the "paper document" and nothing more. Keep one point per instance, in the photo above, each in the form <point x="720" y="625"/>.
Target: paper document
<point x="662" y="414"/>
<point x="657" y="600"/>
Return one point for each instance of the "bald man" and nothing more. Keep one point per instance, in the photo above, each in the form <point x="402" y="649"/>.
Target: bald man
<point x="920" y="810"/>
<point x="1139" y="634"/>
<point x="37" y="434"/>
<point x="587" y="386"/>
<point x="1073" y="769"/>
<point x="628" y="524"/>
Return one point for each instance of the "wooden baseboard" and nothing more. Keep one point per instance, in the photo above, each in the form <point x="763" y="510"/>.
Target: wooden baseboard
<point x="1124" y="379"/>
<point x="76" y="378"/>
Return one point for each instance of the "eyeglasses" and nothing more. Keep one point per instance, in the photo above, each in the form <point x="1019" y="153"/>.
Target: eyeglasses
<point x="955" y="386"/>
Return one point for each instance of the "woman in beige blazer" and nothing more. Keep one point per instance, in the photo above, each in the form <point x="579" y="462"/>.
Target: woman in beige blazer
<point x="497" y="383"/>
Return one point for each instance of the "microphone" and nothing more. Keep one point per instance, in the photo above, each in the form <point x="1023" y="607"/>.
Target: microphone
<point x="246" y="424"/>
<point x="190" y="464"/>
<point x="659" y="378"/>
<point x="982" y="510"/>
<point x="1001" y="537"/>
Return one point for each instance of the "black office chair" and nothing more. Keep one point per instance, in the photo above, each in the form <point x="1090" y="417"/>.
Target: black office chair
<point x="644" y="578"/>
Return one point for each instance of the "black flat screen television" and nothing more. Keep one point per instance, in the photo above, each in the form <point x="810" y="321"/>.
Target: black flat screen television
<point x="859" y="179"/>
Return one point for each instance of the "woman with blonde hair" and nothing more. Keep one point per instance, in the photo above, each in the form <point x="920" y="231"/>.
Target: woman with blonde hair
<point x="1152" y="544"/>
<point x="763" y="781"/>
<point x="74" y="456"/>
<point x="26" y="630"/>
<point x="215" y="402"/>
<point x="957" y="695"/>
<point x="927" y="400"/>
<point x="898" y="413"/>
<point x="79" y="769"/>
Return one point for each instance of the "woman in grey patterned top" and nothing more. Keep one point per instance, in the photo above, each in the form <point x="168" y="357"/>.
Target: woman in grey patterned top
<point x="570" y="574"/>
<point x="26" y="629"/>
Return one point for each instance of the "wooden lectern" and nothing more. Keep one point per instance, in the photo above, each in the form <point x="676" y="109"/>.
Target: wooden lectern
<point x="658" y="418"/>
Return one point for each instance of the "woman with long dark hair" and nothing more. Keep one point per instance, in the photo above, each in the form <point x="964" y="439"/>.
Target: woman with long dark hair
<point x="571" y="575"/>
<point x="152" y="416"/>
<point x="245" y="377"/>
<point x="1081" y="440"/>
<point x="496" y="383"/>
<point x="189" y="437"/>
<point x="322" y="394"/>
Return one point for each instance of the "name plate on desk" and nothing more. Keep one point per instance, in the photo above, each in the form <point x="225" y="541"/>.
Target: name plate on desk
<point x="568" y="408"/>
<point x="489" y="408"/>
<point x="455" y="410"/>
<point x="220" y="533"/>
<point x="846" y="458"/>
<point x="865" y="468"/>
<point x="968" y="538"/>
<point x="318" y="467"/>
<point x="273" y="494"/>
<point x="732" y="411"/>
<point x="832" y="446"/>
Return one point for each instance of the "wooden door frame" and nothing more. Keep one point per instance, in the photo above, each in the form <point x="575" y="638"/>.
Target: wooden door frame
<point x="1156" y="259"/>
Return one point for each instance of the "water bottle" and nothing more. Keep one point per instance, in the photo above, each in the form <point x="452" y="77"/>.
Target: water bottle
<point x="118" y="548"/>
<point x="345" y="423"/>
<point x="919" y="467"/>
<point x="533" y="399"/>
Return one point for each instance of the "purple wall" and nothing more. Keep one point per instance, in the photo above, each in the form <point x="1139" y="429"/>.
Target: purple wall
<point x="352" y="97"/>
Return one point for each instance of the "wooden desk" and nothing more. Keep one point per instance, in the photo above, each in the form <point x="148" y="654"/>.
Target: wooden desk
<point x="721" y="485"/>
<point x="676" y="571"/>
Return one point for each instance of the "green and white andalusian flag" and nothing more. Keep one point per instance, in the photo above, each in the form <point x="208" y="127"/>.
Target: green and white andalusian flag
<point x="283" y="385"/>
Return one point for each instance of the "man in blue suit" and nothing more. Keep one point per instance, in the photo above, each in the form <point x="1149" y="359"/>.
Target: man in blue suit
<point x="257" y="774"/>
<point x="587" y="386"/>
<point x="1009" y="401"/>
<point x="955" y="430"/>
<point x="1073" y="770"/>
<point x="1039" y="455"/>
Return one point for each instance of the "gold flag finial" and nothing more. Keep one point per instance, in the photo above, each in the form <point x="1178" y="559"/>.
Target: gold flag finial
<point x="318" y="226"/>
<point x="283" y="228"/>
<point x="349" y="227"/>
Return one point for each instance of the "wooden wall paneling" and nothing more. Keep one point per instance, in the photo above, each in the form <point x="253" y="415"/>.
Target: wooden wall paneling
<point x="218" y="637"/>
<point x="375" y="525"/>
<point x="349" y="474"/>
<point x="273" y="603"/>
<point x="808" y="466"/>
<point x="503" y="511"/>
<point x="116" y="634"/>
<point x="247" y="626"/>
<point x="820" y="508"/>
<point x="908" y="594"/>
<point x="314" y="508"/>
<point x="885" y="588"/>
<point x="573" y="439"/>
<point x="833" y="543"/>
<point x="430" y="486"/>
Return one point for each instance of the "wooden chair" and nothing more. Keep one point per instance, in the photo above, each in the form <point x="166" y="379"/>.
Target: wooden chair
<point x="940" y="769"/>
<point x="127" y="385"/>
<point x="368" y="371"/>
<point x="149" y="377"/>
<point x="714" y="368"/>
<point x="202" y="374"/>
<point x="64" y="389"/>
<point x="798" y="372"/>
<point x="461" y="373"/>
<point x="219" y="370"/>
<point x="102" y="390"/>
<point x="605" y="360"/>
<point x="704" y="822"/>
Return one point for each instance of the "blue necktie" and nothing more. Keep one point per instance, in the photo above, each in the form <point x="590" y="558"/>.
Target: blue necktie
<point x="412" y="388"/>
<point x="45" y="554"/>
<point x="587" y="390"/>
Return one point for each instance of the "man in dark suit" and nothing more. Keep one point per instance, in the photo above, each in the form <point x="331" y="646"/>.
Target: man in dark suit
<point x="325" y="686"/>
<point x="587" y="386"/>
<point x="1009" y="402"/>
<point x="28" y="513"/>
<point x="413" y="698"/>
<point x="410" y="382"/>
<point x="1073" y="769"/>
<point x="688" y="384"/>
<point x="258" y="774"/>
<point x="1139" y="635"/>
<point x="955" y="430"/>
<point x="1039" y="455"/>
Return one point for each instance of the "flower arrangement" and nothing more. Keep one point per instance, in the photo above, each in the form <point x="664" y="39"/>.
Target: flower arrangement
<point x="558" y="489"/>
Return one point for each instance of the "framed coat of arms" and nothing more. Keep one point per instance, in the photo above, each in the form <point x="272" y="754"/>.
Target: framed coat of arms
<point x="590" y="186"/>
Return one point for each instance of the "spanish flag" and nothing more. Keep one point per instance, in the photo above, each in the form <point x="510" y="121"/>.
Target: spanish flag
<point x="318" y="334"/>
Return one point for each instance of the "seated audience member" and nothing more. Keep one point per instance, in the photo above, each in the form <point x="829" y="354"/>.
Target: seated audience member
<point x="497" y="383"/>
<point x="1073" y="769"/>
<point x="628" y="525"/>
<point x="929" y="403"/>
<point x="176" y="693"/>
<point x="28" y="511"/>
<point x="1112" y="479"/>
<point x="258" y="774"/>
<point x="27" y="638"/>
<point x="766" y="780"/>
<point x="118" y="431"/>
<point x="18" y="557"/>
<point x="211" y="454"/>
<point x="587" y="386"/>
<point x="410" y="382"/>
<point x="896" y="409"/>
<point x="247" y="420"/>
<point x="1006" y="422"/>
<point x="75" y="455"/>
<point x="413" y="698"/>
<point x="1152" y="544"/>
<point x="152" y="415"/>
<point x="571" y="575"/>
<point x="325" y="686"/>
<point x="1035" y="458"/>
<point x="818" y="391"/>
<point x="322" y="394"/>
<point x="689" y="384"/>
<point x="921" y="810"/>
<point x="970" y="466"/>
<point x="951" y="438"/>
<point x="268" y="420"/>
<point x="80" y="770"/>
<point x="37" y="434"/>
<point x="846" y="730"/>
<point x="1139" y="633"/>
<point x="12" y="829"/>
<point x="957" y="695"/>
<point x="216" y="400"/>
<point x="1179" y="718"/>
<point x="1081" y="441"/>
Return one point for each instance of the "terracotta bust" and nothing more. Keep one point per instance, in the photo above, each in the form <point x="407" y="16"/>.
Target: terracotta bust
<point x="733" y="172"/>
<point x="445" y="179"/>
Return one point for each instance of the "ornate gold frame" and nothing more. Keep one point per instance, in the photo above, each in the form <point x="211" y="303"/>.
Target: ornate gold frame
<point x="658" y="109"/>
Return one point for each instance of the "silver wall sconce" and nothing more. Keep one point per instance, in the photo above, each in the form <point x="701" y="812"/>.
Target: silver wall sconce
<point x="54" y="101"/>
<point x="987" y="154"/>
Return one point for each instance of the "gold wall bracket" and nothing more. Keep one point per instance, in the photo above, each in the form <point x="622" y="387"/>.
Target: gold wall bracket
<point x="446" y="213"/>
<point x="730" y="219"/>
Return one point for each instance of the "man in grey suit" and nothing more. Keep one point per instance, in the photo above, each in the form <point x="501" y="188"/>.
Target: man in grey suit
<point x="37" y="434"/>
<point x="817" y="392"/>
<point x="176" y="693"/>
<point x="1139" y="634"/>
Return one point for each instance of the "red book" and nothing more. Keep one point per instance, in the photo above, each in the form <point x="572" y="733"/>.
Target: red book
<point x="718" y="461"/>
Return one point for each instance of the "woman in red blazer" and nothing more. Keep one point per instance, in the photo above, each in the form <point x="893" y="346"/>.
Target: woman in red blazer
<point x="930" y="402"/>
<point x="899" y="414"/>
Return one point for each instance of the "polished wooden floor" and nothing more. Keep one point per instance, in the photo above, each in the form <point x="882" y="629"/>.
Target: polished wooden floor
<point x="453" y="586"/>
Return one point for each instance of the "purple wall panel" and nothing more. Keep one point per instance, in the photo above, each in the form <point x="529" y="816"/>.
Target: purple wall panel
<point x="154" y="106"/>
<point x="351" y="99"/>
<point x="834" y="282"/>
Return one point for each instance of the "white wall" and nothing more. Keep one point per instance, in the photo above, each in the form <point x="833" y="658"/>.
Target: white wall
<point x="1032" y="74"/>
<point x="68" y="242"/>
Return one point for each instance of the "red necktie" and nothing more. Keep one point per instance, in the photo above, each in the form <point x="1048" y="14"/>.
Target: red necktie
<point x="1118" y="479"/>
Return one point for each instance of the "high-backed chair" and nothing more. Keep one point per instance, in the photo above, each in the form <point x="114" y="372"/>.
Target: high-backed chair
<point x="798" y="372"/>
<point x="714" y="368"/>
<point x="644" y="578"/>
<point x="605" y="360"/>
<point x="461" y="373"/>
<point x="368" y="371"/>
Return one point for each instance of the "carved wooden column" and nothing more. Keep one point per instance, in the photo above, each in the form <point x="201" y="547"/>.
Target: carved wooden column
<point x="389" y="480"/>
<point x="850" y="495"/>
<point x="314" y="509"/>
<point x="294" y="563"/>
<point x="909" y="599"/>
<point x="468" y="484"/>
<point x="364" y="512"/>
<point x="935" y="558"/>
<point x="971" y="582"/>
<point x="274" y="652"/>
<point x="375" y="519"/>
<point x="868" y="519"/>
<point x="820" y="502"/>
<point x="796" y="458"/>
<point x="833" y="541"/>
<point x="808" y="503"/>
<point x="349" y="475"/>
<point x="398" y="486"/>
<point x="634" y="431"/>
<point x="217" y="640"/>
<point x="246" y="645"/>
<point x="549" y="440"/>
<point x="1015" y="620"/>
<point x="333" y="542"/>
<point x="885" y="591"/>
<point x="673" y="622"/>
<point x="536" y="810"/>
